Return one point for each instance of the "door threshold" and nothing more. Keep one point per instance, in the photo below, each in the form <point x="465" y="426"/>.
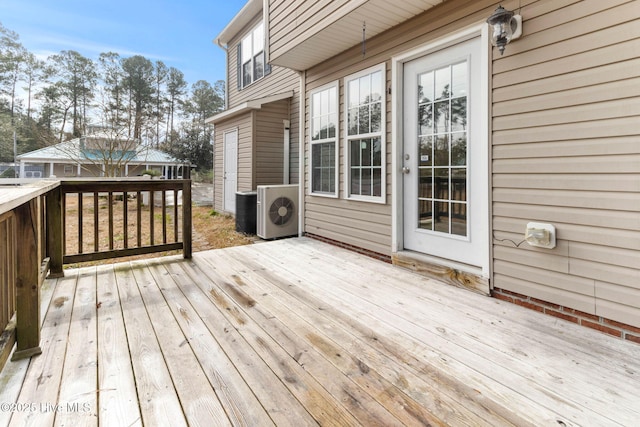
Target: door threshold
<point x="452" y="273"/>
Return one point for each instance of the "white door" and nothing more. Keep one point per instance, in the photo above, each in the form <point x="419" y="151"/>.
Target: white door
<point x="445" y="155"/>
<point x="230" y="176"/>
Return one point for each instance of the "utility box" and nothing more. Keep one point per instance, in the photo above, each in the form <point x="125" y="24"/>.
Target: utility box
<point x="246" y="212"/>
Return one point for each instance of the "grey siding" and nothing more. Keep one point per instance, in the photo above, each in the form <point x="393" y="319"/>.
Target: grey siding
<point x="566" y="102"/>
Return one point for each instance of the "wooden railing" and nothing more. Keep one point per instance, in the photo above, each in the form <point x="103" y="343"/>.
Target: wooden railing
<point x="24" y="264"/>
<point x="141" y="216"/>
<point x="7" y="282"/>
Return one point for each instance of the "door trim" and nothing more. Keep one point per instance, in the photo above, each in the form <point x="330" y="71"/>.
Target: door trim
<point x="397" y="131"/>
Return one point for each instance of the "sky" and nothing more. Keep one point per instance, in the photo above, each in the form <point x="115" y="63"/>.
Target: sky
<point x="179" y="33"/>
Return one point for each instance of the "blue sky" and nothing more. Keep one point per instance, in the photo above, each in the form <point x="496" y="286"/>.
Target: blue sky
<point x="177" y="32"/>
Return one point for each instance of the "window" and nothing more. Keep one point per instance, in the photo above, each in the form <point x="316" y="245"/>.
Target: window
<point x="442" y="136"/>
<point x="251" y="58"/>
<point x="364" y="135"/>
<point x="324" y="140"/>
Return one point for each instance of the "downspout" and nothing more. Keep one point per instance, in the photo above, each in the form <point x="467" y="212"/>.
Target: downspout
<point x="226" y="103"/>
<point x="226" y="81"/>
<point x="302" y="122"/>
<point x="287" y="152"/>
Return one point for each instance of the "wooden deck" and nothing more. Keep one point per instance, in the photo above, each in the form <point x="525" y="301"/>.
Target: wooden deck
<point x="296" y="332"/>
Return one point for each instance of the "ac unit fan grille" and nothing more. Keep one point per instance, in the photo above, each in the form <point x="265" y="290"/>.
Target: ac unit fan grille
<point x="281" y="210"/>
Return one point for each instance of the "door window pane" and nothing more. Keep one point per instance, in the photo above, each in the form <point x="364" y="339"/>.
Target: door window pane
<point x="459" y="184"/>
<point x="443" y="83"/>
<point x="425" y="87"/>
<point x="425" y="119"/>
<point x="459" y="149"/>
<point x="425" y="214"/>
<point x="442" y="149"/>
<point x="425" y="187"/>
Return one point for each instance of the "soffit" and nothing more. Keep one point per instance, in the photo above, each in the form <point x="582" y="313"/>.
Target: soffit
<point x="327" y="39"/>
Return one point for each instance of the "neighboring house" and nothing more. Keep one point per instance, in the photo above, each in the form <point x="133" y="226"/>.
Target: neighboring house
<point x="10" y="170"/>
<point x="423" y="145"/>
<point x="256" y="137"/>
<point x="87" y="157"/>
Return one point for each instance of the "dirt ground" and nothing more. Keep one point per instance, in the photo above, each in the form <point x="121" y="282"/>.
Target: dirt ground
<point x="210" y="229"/>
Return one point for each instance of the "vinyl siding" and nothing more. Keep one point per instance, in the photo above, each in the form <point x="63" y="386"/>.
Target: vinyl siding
<point x="269" y="148"/>
<point x="363" y="224"/>
<point x="244" y="125"/>
<point x="566" y="102"/>
<point x="260" y="148"/>
<point x="290" y="22"/>
<point x="278" y="81"/>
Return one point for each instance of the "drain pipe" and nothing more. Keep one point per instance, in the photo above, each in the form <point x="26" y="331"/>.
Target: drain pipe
<point x="301" y="149"/>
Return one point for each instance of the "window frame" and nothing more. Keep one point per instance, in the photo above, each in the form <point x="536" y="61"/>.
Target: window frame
<point x="250" y="39"/>
<point x="371" y="135"/>
<point x="335" y="140"/>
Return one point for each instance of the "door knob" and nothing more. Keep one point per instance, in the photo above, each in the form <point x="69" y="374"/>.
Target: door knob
<point x="405" y="170"/>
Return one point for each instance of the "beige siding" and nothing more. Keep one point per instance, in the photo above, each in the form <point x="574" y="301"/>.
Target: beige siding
<point x="564" y="147"/>
<point x="290" y="22"/>
<point x="244" y="125"/>
<point x="269" y="158"/>
<point x="280" y="80"/>
<point x="565" y="151"/>
<point x="260" y="148"/>
<point x="368" y="225"/>
<point x="306" y="33"/>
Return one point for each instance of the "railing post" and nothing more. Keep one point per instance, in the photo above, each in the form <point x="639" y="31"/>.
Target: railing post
<point x="186" y="218"/>
<point x="55" y="240"/>
<point x="27" y="282"/>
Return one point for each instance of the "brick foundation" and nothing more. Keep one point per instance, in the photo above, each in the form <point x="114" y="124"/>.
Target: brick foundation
<point x="611" y="327"/>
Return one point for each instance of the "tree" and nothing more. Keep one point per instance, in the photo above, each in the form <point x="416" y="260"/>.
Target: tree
<point x="161" y="75"/>
<point x="55" y="108"/>
<point x="113" y="92"/>
<point x="12" y="57"/>
<point x="33" y="71"/>
<point x="176" y="88"/>
<point x="66" y="93"/>
<point x="195" y="142"/>
<point x="77" y="77"/>
<point x="138" y="72"/>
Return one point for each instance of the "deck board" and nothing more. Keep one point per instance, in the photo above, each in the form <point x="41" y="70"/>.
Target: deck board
<point x="118" y="400"/>
<point x="296" y="332"/>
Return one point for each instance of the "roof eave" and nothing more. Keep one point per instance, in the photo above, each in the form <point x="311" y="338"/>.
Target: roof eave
<point x="246" y="14"/>
<point x="254" y="104"/>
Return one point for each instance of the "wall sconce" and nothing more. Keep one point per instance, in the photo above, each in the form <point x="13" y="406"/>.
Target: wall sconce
<point x="506" y="27"/>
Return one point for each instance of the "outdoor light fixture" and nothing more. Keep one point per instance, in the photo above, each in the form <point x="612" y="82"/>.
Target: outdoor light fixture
<point x="506" y="27"/>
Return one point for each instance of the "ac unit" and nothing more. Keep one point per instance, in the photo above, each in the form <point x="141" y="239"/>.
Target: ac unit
<point x="277" y="211"/>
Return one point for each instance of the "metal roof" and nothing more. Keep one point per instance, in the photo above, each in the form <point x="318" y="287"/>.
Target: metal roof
<point x="71" y="151"/>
